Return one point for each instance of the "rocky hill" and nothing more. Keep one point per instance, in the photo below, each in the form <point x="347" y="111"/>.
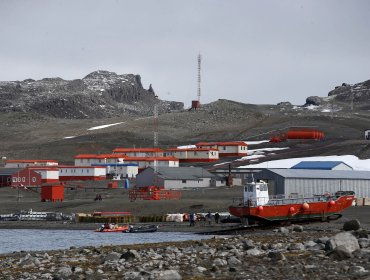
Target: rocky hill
<point x="356" y="95"/>
<point x="100" y="94"/>
<point x="53" y="119"/>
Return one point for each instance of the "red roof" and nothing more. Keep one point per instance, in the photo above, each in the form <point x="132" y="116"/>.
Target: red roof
<point x="87" y="156"/>
<point x="43" y="168"/>
<point x="138" y="150"/>
<point x="151" y="159"/>
<point x="31" y="160"/>
<point x="73" y="166"/>
<point x="237" y="143"/>
<point x="192" y="149"/>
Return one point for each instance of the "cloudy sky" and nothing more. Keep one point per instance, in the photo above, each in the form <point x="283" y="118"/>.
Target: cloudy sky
<point x="254" y="51"/>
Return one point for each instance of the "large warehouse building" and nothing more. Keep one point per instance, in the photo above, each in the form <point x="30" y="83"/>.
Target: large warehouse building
<point x="315" y="182"/>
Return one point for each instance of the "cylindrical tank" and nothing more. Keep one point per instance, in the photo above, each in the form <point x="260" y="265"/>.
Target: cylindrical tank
<point x="126" y="184"/>
<point x="304" y="134"/>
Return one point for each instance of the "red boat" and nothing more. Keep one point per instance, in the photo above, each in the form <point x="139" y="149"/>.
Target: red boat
<point x="257" y="207"/>
<point x="112" y="228"/>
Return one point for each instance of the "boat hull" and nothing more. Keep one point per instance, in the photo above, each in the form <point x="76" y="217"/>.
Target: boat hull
<point x="118" y="229"/>
<point x="320" y="210"/>
<point x="142" y="229"/>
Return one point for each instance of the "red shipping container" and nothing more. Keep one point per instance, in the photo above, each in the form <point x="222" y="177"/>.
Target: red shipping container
<point x="52" y="192"/>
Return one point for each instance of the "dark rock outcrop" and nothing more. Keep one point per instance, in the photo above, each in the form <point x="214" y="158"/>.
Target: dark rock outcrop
<point x="99" y="94"/>
<point x="313" y="100"/>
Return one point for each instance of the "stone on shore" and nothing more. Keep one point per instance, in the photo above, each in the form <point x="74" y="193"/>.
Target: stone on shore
<point x="352" y="225"/>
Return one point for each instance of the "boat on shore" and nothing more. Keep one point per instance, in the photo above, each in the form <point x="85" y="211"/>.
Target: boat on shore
<point x="141" y="229"/>
<point x="257" y="207"/>
<point x="112" y="228"/>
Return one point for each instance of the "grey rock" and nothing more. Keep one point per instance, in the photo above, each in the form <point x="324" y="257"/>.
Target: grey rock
<point x="112" y="257"/>
<point x="283" y="230"/>
<point x="313" y="100"/>
<point x="362" y="233"/>
<point x="131" y="275"/>
<point x="169" y="275"/>
<point x="254" y="252"/>
<point x="309" y="244"/>
<point x="296" y="247"/>
<point x="364" y="242"/>
<point x="357" y="270"/>
<point x="298" y="228"/>
<point x="219" y="262"/>
<point x="248" y="244"/>
<point x="352" y="225"/>
<point x="341" y="253"/>
<point x="345" y="239"/>
<point x="233" y="261"/>
<point x="64" y="272"/>
<point x="276" y="256"/>
<point x="323" y="240"/>
<point x="129" y="255"/>
<point x="201" y="269"/>
<point x="362" y="254"/>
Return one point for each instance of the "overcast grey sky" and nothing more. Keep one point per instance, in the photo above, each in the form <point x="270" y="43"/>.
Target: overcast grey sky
<point x="260" y="52"/>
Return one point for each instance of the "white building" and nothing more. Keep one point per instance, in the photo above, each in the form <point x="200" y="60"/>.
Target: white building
<point x="144" y="162"/>
<point x="122" y="170"/>
<point x="71" y="173"/>
<point x="194" y="154"/>
<point x="93" y="159"/>
<point x="225" y="149"/>
<point x="48" y="174"/>
<point x="178" y="178"/>
<point x="23" y="163"/>
<point x="140" y="152"/>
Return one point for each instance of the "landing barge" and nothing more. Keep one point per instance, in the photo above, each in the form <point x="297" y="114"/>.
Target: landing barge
<point x="257" y="207"/>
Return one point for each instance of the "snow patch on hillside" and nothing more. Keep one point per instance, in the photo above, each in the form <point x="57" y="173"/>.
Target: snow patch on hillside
<point x="104" y="126"/>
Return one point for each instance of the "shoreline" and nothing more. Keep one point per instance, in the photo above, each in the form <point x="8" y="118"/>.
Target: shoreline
<point x="162" y="226"/>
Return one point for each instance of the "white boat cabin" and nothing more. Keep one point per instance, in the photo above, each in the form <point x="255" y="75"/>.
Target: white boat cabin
<point x="256" y="193"/>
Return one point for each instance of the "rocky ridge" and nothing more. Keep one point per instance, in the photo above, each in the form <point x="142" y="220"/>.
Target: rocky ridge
<point x="285" y="253"/>
<point x="358" y="94"/>
<point x="99" y="94"/>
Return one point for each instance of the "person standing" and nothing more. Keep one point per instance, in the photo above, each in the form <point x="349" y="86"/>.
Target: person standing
<point x="192" y="219"/>
<point x="209" y="217"/>
<point x="217" y="218"/>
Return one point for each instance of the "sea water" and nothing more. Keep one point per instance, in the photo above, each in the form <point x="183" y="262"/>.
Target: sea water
<point x="16" y="240"/>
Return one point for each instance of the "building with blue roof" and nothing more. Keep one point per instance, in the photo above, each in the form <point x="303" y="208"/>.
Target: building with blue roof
<point x="322" y="165"/>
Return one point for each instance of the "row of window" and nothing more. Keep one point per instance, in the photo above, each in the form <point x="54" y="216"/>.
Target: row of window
<point x="74" y="171"/>
<point x="22" y="179"/>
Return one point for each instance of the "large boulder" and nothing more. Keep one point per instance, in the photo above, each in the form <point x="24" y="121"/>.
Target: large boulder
<point x="313" y="100"/>
<point x="346" y="239"/>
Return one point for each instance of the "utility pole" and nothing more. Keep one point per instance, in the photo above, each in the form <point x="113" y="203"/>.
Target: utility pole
<point x="155" y="138"/>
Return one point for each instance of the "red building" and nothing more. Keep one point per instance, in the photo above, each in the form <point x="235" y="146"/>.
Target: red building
<point x="52" y="192"/>
<point x="25" y="177"/>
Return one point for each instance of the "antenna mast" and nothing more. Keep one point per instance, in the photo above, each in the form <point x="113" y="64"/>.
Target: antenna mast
<point x="155" y="135"/>
<point x="199" y="80"/>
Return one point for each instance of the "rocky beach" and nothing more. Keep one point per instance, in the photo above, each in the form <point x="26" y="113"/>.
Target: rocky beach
<point x="337" y="250"/>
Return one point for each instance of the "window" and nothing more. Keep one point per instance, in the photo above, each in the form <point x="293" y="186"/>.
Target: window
<point x="223" y="148"/>
<point x="183" y="181"/>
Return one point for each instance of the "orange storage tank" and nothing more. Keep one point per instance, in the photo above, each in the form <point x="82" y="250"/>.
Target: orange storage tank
<point x="304" y="134"/>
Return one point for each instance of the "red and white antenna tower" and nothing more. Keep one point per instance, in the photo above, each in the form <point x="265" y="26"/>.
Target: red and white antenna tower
<point x="155" y="135"/>
<point x="199" y="80"/>
<point x="195" y="104"/>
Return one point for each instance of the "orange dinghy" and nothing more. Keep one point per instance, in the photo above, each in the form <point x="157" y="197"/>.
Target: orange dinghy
<point x="257" y="207"/>
<point x="112" y="228"/>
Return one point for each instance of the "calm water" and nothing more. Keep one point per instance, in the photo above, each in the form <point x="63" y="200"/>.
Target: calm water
<point x="12" y="240"/>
